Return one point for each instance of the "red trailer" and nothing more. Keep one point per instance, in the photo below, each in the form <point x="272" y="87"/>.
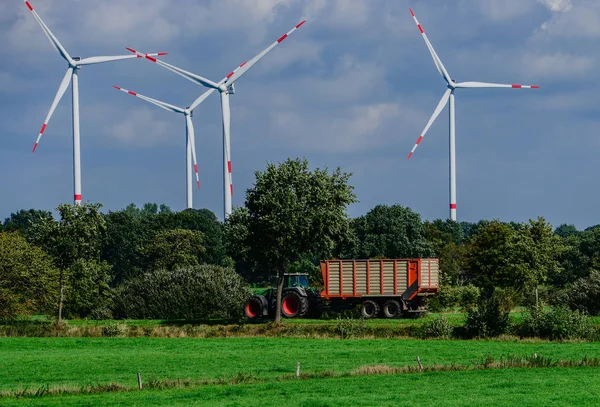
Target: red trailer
<point x="392" y="287"/>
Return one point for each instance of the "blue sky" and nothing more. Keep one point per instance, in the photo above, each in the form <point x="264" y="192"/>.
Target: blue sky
<point x="353" y="88"/>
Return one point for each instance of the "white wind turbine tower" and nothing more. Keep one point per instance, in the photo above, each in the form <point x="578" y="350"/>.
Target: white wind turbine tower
<point x="190" y="135"/>
<point x="75" y="63"/>
<point x="449" y="96"/>
<point x="225" y="88"/>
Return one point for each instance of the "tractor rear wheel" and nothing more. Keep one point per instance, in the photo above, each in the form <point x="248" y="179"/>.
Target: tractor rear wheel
<point x="294" y="305"/>
<point x="370" y="309"/>
<point x="255" y="306"/>
<point x="392" y="309"/>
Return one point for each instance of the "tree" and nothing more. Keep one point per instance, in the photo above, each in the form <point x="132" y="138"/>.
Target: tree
<point x="565" y="230"/>
<point x="236" y="242"/>
<point x="294" y="213"/>
<point x="517" y="258"/>
<point x="126" y="234"/>
<point x="174" y="249"/>
<point x="77" y="237"/>
<point x="28" y="279"/>
<point x="24" y="221"/>
<point x="391" y="232"/>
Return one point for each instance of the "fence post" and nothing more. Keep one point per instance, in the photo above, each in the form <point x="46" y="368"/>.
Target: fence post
<point x="298" y="370"/>
<point x="420" y="364"/>
<point x="140" y="381"/>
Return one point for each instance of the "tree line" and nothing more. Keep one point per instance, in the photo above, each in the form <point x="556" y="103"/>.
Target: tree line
<point x="152" y="262"/>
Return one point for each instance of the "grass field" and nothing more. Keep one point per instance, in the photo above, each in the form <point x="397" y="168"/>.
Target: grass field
<point x="519" y="387"/>
<point x="249" y="371"/>
<point x="35" y="362"/>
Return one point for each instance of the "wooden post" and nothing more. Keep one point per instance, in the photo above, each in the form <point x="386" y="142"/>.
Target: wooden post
<point x="140" y="381"/>
<point x="298" y="370"/>
<point x="420" y="364"/>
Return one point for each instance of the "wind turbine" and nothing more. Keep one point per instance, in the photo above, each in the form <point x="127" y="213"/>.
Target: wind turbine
<point x="190" y="134"/>
<point x="225" y="88"/>
<point x="452" y="85"/>
<point x="75" y="63"/>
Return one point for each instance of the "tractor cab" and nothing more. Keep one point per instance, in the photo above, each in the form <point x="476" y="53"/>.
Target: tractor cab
<point x="296" y="280"/>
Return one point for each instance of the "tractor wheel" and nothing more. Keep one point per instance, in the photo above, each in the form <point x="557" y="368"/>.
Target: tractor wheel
<point x="392" y="309"/>
<point x="370" y="309"/>
<point x="293" y="305"/>
<point x="255" y="306"/>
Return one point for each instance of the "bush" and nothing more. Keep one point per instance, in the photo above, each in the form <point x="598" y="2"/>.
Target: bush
<point x="197" y="293"/>
<point x="583" y="295"/>
<point x="555" y="323"/>
<point x="450" y="297"/>
<point x="439" y="327"/>
<point x="487" y="320"/>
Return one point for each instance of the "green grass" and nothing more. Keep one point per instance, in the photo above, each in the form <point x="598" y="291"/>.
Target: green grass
<point x="519" y="387"/>
<point x="35" y="362"/>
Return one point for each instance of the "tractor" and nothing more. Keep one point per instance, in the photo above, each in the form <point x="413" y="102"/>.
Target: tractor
<point x="297" y="299"/>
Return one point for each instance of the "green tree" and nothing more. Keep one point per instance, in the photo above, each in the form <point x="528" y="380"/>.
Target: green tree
<point x="565" y="230"/>
<point x="294" y="213"/>
<point x="515" y="258"/>
<point x="28" y="279"/>
<point x="76" y="237"/>
<point x="391" y="232"/>
<point x="236" y="242"/>
<point x="126" y="234"/>
<point x="24" y="221"/>
<point x="174" y="249"/>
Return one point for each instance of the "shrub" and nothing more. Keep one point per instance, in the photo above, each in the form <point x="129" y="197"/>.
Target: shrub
<point x="487" y="320"/>
<point x="439" y="327"/>
<point x="201" y="292"/>
<point x="450" y="297"/>
<point x="582" y="295"/>
<point x="555" y="323"/>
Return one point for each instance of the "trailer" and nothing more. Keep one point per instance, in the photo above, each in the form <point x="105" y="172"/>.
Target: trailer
<point x="391" y="288"/>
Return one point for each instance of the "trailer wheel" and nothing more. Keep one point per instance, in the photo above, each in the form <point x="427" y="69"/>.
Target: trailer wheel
<point x="370" y="309"/>
<point x="392" y="309"/>
<point x="255" y="306"/>
<point x="293" y="305"/>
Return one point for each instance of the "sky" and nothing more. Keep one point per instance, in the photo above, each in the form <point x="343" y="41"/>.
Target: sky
<point x="352" y="88"/>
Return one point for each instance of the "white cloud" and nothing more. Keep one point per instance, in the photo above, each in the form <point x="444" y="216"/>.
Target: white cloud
<point x="140" y="128"/>
<point x="557" y="5"/>
<point x="557" y="65"/>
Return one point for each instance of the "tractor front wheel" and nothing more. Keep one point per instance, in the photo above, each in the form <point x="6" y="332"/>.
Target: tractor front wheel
<point x="293" y="305"/>
<point x="255" y="307"/>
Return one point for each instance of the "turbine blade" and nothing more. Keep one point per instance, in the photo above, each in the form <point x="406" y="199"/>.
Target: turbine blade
<point x="201" y="99"/>
<point x="53" y="40"/>
<point x="197" y="79"/>
<point x="436" y="59"/>
<point x="100" y="60"/>
<point x="436" y="113"/>
<point x="61" y="91"/>
<point x="166" y="106"/>
<point x="237" y="74"/>
<point x="493" y="85"/>
<point x="192" y="139"/>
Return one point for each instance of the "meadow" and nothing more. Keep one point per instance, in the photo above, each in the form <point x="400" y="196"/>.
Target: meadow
<point x="241" y="371"/>
<point x="521" y="387"/>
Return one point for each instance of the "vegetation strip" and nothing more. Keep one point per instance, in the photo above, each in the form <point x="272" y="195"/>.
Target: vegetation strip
<point x="508" y="362"/>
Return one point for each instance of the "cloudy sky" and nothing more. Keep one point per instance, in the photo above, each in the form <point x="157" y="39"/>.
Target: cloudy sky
<point x="353" y="88"/>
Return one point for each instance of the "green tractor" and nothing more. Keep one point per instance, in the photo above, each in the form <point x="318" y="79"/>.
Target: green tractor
<point x="297" y="299"/>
